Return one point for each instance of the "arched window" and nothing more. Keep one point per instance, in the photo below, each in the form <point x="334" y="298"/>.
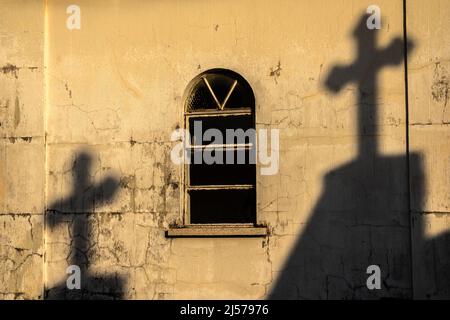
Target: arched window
<point x="220" y="180"/>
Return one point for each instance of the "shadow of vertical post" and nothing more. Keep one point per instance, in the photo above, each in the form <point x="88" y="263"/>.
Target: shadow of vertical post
<point x="77" y="209"/>
<point x="362" y="217"/>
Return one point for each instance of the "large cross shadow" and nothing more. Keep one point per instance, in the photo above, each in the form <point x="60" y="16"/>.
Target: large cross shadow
<point x="77" y="211"/>
<point x="362" y="217"/>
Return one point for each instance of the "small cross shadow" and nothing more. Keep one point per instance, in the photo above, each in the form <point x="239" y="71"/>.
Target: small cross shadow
<point x="77" y="211"/>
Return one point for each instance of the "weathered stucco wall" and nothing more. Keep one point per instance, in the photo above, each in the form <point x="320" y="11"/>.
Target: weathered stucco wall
<point x="429" y="109"/>
<point x="97" y="161"/>
<point x="22" y="151"/>
<point x="116" y="93"/>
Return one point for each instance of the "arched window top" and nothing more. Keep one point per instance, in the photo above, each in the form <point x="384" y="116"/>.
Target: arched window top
<point x="219" y="89"/>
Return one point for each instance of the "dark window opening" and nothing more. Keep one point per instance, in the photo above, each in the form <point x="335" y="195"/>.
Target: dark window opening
<point x="224" y="192"/>
<point x="223" y="206"/>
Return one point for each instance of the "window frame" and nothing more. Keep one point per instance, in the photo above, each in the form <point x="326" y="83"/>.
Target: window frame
<point x="188" y="229"/>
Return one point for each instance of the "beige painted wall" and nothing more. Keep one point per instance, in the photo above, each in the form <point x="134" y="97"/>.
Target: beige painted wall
<point x="114" y="94"/>
<point x="429" y="101"/>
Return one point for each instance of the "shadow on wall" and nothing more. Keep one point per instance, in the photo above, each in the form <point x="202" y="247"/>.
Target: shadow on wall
<point x="362" y="218"/>
<point x="77" y="212"/>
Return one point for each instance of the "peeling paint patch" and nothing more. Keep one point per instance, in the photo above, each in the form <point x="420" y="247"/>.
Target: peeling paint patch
<point x="10" y="69"/>
<point x="25" y="139"/>
<point x="16" y="113"/>
<point x="441" y="86"/>
<point x="276" y="72"/>
<point x="127" y="181"/>
<point x="68" y="90"/>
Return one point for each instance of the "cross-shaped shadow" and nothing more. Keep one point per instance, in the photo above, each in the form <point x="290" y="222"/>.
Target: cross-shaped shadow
<point x="362" y="217"/>
<point x="77" y="209"/>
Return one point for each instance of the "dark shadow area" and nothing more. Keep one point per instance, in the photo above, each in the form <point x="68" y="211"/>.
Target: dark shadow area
<point x="241" y="209"/>
<point x="77" y="211"/>
<point x="432" y="276"/>
<point x="431" y="262"/>
<point x="362" y="217"/>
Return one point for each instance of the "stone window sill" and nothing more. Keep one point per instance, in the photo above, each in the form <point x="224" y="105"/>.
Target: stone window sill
<point x="192" y="231"/>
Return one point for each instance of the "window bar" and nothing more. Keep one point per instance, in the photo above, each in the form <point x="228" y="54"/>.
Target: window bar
<point x="212" y="92"/>
<point x="221" y="187"/>
<point x="220" y="113"/>
<point x="228" y="95"/>
<point x="238" y="146"/>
